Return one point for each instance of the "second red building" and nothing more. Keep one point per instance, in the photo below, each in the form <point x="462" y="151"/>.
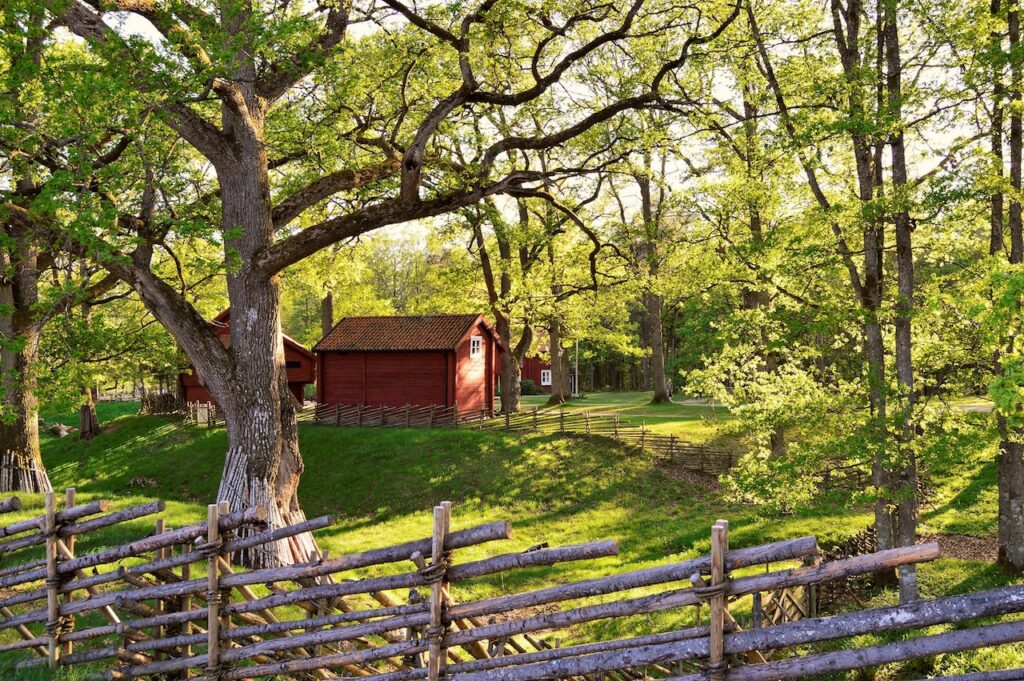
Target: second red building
<point x="443" y="360"/>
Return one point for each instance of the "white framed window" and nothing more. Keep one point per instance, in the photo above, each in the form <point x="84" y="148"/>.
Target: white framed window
<point x="476" y="346"/>
<point x="545" y="376"/>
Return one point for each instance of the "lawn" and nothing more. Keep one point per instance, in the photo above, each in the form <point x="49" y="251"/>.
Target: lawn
<point x="561" y="490"/>
<point x="689" y="419"/>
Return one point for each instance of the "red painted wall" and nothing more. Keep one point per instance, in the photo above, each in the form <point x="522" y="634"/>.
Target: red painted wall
<point x="395" y="379"/>
<point x="391" y="379"/>
<point x="532" y="367"/>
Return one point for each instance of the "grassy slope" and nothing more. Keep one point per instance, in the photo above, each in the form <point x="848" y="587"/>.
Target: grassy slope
<point x="381" y="483"/>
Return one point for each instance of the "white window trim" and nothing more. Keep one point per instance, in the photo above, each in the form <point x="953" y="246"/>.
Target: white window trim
<point x="545" y="376"/>
<point x="476" y="346"/>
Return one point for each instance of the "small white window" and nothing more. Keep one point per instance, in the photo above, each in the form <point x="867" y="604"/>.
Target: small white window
<point x="476" y="344"/>
<point x="545" y="376"/>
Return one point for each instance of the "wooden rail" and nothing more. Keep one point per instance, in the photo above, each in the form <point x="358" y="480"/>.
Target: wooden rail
<point x="172" y="604"/>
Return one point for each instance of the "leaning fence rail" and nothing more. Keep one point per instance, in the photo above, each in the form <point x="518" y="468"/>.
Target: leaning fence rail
<point x="173" y="603"/>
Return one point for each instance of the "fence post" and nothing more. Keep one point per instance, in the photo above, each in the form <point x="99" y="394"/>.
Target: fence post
<point x="382" y="416"/>
<point x="213" y="592"/>
<point x="408" y="421"/>
<point x="431" y="424"/>
<point x="616" y="425"/>
<point x="672" y="448"/>
<point x="811" y="590"/>
<point x="717" y="664"/>
<point x="455" y="413"/>
<point x="69" y="544"/>
<point x="438" y="591"/>
<point x="52" y="582"/>
<point x="507" y="424"/>
<point x="756" y="611"/>
<point x="535" y="411"/>
<point x="586" y="416"/>
<point x="561" y="419"/>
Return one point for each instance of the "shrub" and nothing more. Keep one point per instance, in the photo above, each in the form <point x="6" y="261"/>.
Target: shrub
<point x="528" y="387"/>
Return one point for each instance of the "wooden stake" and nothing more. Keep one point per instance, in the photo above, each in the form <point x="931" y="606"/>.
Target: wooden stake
<point x="719" y="547"/>
<point x="69" y="503"/>
<point x="52" y="605"/>
<point x="213" y="594"/>
<point x="438" y="589"/>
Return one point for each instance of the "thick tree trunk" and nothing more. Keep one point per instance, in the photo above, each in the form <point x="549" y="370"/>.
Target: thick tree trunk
<point x="263" y="464"/>
<point x="88" y="420"/>
<point x="656" y="336"/>
<point x="559" y="379"/>
<point x="21" y="464"/>
<point x="1011" y="503"/>
<point x="510" y="366"/>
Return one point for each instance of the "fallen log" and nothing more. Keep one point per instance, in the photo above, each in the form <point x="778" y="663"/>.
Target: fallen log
<point x="10" y="504"/>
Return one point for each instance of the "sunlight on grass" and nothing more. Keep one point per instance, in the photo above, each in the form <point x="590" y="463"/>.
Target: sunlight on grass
<point x="381" y="484"/>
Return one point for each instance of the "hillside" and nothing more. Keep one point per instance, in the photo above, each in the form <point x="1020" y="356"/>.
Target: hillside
<point x="381" y="483"/>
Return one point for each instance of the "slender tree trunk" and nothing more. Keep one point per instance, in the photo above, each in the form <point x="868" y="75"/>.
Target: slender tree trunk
<point x="906" y="508"/>
<point x="21" y="463"/>
<point x="327" y="313"/>
<point x="655" y="334"/>
<point x="1011" y="445"/>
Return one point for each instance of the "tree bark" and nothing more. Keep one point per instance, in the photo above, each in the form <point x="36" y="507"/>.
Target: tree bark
<point x="1011" y="445"/>
<point x="906" y="506"/>
<point x="327" y="313"/>
<point x="21" y="463"/>
<point x="559" y="389"/>
<point x="88" y="420"/>
<point x="655" y="333"/>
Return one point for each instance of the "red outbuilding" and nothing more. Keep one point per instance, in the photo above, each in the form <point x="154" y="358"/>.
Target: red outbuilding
<point x="535" y="369"/>
<point x="299" y="362"/>
<point x="443" y="360"/>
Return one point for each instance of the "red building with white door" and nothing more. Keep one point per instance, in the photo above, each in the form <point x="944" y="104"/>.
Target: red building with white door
<point x="424" y="360"/>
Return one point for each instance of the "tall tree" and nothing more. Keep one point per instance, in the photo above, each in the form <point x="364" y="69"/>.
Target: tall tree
<point x="228" y="91"/>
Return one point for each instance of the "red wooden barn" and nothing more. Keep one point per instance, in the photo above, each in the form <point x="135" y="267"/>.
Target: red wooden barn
<point x="443" y="360"/>
<point x="299" y="362"/>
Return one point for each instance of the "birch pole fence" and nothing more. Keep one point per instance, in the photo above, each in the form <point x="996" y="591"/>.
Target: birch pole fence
<point x="171" y="605"/>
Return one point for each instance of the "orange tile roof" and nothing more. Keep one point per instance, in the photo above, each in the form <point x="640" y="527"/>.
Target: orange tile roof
<point x="419" y="333"/>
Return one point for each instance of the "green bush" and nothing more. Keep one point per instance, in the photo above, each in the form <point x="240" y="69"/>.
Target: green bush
<point x="528" y="387"/>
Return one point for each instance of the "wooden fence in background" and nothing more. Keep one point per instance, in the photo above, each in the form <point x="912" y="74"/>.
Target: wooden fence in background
<point x="668" y="448"/>
<point x="172" y="603"/>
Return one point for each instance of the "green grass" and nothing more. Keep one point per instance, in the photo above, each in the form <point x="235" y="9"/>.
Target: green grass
<point x="693" y="422"/>
<point x="382" y="483"/>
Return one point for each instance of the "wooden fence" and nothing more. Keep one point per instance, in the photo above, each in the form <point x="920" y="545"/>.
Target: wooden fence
<point x="172" y="603"/>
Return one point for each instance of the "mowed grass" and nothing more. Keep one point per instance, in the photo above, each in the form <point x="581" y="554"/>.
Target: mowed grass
<point x="689" y="419"/>
<point x="381" y="485"/>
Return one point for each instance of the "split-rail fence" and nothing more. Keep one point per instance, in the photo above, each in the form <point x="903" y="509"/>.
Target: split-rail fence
<point x="173" y="604"/>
